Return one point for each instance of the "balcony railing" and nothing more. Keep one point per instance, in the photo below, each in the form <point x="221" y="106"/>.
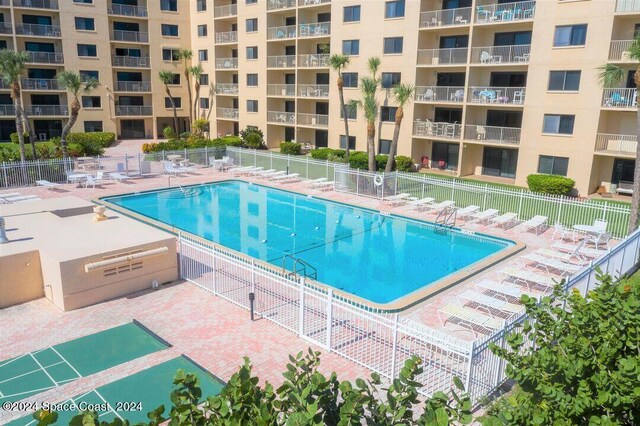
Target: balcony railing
<point x="46" y="57"/>
<point x="439" y="94"/>
<point x="313" y="90"/>
<point x="618" y="50"/>
<point x="314" y="120"/>
<point x="52" y="110"/>
<point x="131" y="61"/>
<point x="281" y="117"/>
<point x="515" y="54"/>
<point x="134" y="110"/>
<point x="227" y="89"/>
<point x="132" y="36"/>
<point x="38" y="30"/>
<point x="37" y="4"/>
<point x="496" y="95"/>
<point x="445" y="18"/>
<point x="7" y="110"/>
<point x="505" y="12"/>
<point x="230" y="113"/>
<point x="313" y="61"/>
<point x="623" y="6"/>
<point x="442" y="130"/>
<point x="5" y="3"/>
<point x="620" y="98"/>
<point x="281" y="89"/>
<point x="227" y="63"/>
<point x="495" y="134"/>
<point x="133" y="86"/>
<point x="456" y="55"/>
<point x="312" y="2"/>
<point x="281" y="61"/>
<point x="40" y="84"/>
<point x="616" y="144"/>
<point x="223" y="11"/>
<point x="4" y="85"/>
<point x="318" y="29"/>
<point x="280" y="4"/>
<point x="6" y="28"/>
<point x="274" y="33"/>
<point x="126" y="10"/>
<point x="227" y="37"/>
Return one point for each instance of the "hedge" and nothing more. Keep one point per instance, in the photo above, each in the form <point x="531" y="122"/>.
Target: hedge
<point x="45" y="150"/>
<point x="291" y="148"/>
<point x="550" y="184"/>
<point x="191" y="143"/>
<point x="404" y="163"/>
<point x="325" y="153"/>
<point x="104" y="139"/>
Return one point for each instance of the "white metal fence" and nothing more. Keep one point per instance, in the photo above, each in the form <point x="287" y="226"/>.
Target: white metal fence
<point x="306" y="167"/>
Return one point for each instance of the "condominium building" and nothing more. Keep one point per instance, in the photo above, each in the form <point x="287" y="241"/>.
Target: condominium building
<point x="503" y="89"/>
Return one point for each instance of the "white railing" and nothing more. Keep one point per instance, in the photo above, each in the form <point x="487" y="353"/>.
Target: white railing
<point x="496" y="95"/>
<point x="456" y="55"/>
<point x="40" y="84"/>
<point x="313" y="61"/>
<point x="230" y="113"/>
<point x="134" y="110"/>
<point x="133" y="86"/>
<point x="505" y="12"/>
<point x="227" y="89"/>
<point x="7" y="110"/>
<point x="280" y="4"/>
<point x="281" y="117"/>
<point x="313" y="120"/>
<point x="274" y="33"/>
<point x="281" y="89"/>
<point x="127" y="10"/>
<point x="616" y="144"/>
<point x="627" y="6"/>
<point x="620" y="98"/>
<point x="432" y="129"/>
<point x="228" y="10"/>
<point x="439" y="94"/>
<point x="52" y="110"/>
<point x="227" y="63"/>
<point x="312" y="2"/>
<point x="319" y="29"/>
<point x="227" y="37"/>
<point x="618" y="50"/>
<point x="131" y="36"/>
<point x="495" y="134"/>
<point x="281" y="61"/>
<point x="46" y="57"/>
<point x="37" y="4"/>
<point x="515" y="54"/>
<point x="6" y="28"/>
<point x="313" y="90"/>
<point x="131" y="61"/>
<point x="38" y="30"/>
<point x="445" y="17"/>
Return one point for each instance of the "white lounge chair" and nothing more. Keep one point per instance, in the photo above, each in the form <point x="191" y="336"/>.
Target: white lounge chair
<point x="397" y="200"/>
<point x="18" y="199"/>
<point x="286" y="178"/>
<point x="9" y="194"/>
<point x="92" y="182"/>
<point x="258" y="171"/>
<point x="519" y="275"/>
<point x="315" y="181"/>
<point x="584" y="251"/>
<point x="422" y="203"/>
<point x="241" y="170"/>
<point x="488" y="303"/>
<point x="504" y="220"/>
<point x="324" y="186"/>
<point x="49" y="185"/>
<point x="118" y="177"/>
<point x="272" y="174"/>
<point x="441" y="206"/>
<point x="470" y="319"/>
<point x="574" y="257"/>
<point x="600" y="224"/>
<point x="559" y="229"/>
<point x="467" y="211"/>
<point x="168" y="167"/>
<point x="485" y="215"/>
<point x="535" y="222"/>
<point x="499" y="289"/>
<point x="599" y="239"/>
<point x="550" y="264"/>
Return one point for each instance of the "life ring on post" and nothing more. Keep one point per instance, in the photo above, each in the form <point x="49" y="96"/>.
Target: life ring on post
<point x="378" y="180"/>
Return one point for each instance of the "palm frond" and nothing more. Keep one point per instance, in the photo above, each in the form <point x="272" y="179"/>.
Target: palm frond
<point x="71" y="81"/>
<point x="338" y="62"/>
<point x="185" y="54"/>
<point x="610" y="75"/>
<point x="352" y="105"/>
<point x="633" y="51"/>
<point x="370" y="108"/>
<point x="373" y="64"/>
<point x="403" y="93"/>
<point x="196" y="70"/>
<point x="369" y="85"/>
<point x="12" y="65"/>
<point x="166" y="77"/>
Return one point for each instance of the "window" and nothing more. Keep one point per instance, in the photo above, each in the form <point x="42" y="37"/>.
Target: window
<point x="394" y="9"/>
<point x="343" y="142"/>
<point x="91" y="102"/>
<point x="93" y="126"/>
<point x="559" y="124"/>
<point x="564" y="80"/>
<point x="204" y="103"/>
<point x="553" y="165"/>
<point x="570" y="35"/>
<point x="169" y="5"/>
<point x="203" y="55"/>
<point x="201" y="5"/>
<point x="177" y="101"/>
<point x="388" y="113"/>
<point x="169" y="30"/>
<point x="84" y="2"/>
<point x="204" y="79"/>
<point x="350" y="79"/>
<point x="384" y="146"/>
<point x="202" y="30"/>
<point x="352" y="113"/>
<point x="252" y="1"/>
<point x="252" y="25"/>
<point x="85" y="24"/>
<point x="176" y="79"/>
<point x="88" y="50"/>
<point x="252" y="52"/>
<point x="351" y="14"/>
<point x="390" y="79"/>
<point x="85" y="75"/>
<point x="392" y="45"/>
<point x="351" y="47"/>
<point x="170" y="55"/>
<point x="252" y="106"/>
<point x="252" y="79"/>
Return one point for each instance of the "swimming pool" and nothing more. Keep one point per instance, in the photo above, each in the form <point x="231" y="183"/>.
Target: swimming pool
<point x="374" y="256"/>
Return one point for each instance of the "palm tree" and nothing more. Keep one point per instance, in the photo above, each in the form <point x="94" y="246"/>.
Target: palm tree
<point x="185" y="55"/>
<point x="338" y="63"/>
<point x="12" y="65"/>
<point x="76" y="86"/>
<point x="610" y="76"/>
<point x="196" y="72"/>
<point x="167" y="78"/>
<point x="369" y="106"/>
<point x="402" y="93"/>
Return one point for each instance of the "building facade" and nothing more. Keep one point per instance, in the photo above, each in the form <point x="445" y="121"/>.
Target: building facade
<point x="502" y="89"/>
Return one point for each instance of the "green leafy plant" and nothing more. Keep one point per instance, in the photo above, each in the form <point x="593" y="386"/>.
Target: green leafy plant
<point x="325" y="153"/>
<point x="359" y="160"/>
<point x="253" y="138"/>
<point x="550" y="184"/>
<point x="404" y="163"/>
<point x="291" y="148"/>
<point x="169" y="133"/>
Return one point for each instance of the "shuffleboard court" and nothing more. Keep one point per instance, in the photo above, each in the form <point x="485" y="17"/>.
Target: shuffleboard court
<point x="38" y="371"/>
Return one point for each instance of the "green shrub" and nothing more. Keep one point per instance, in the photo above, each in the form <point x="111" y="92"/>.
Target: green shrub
<point x="14" y="137"/>
<point x="169" y="133"/>
<point x="550" y="184"/>
<point x="45" y="150"/>
<point x="404" y="163"/>
<point x="190" y="143"/>
<point x="104" y="139"/>
<point x="254" y="140"/>
<point x="291" y="148"/>
<point x="358" y="160"/>
<point x="381" y="161"/>
<point x="325" y="153"/>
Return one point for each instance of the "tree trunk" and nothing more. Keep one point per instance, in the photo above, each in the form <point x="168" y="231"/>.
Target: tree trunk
<point x="635" y="198"/>
<point x="394" y="142"/>
<point x="175" y="112"/>
<point x="17" y="104"/>
<point x="186" y="75"/>
<point x="371" y="145"/>
<point x="73" y="117"/>
<point x="344" y="114"/>
<point x="196" y="106"/>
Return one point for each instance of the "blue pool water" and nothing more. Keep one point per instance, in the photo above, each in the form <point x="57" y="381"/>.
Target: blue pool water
<point x="379" y="258"/>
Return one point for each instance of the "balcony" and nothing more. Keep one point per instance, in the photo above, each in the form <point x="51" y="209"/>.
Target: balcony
<point x="281" y="117"/>
<point x="313" y="120"/>
<point x="313" y="90"/>
<point x="452" y="56"/>
<point x="126" y="10"/>
<point x="319" y="29"/>
<point x="226" y="63"/>
<point x="505" y="12"/>
<point x="313" y="61"/>
<point x="628" y="6"/>
<point x="225" y="11"/>
<point x="45" y="57"/>
<point x="6" y="28"/>
<point x="496" y="55"/>
<point x="620" y="98"/>
<point x="131" y="61"/>
<point x="133" y="86"/>
<point x="280" y="4"/>
<point x="227" y="37"/>
<point x="496" y="95"/>
<point x="439" y="94"/>
<point x="130" y="36"/>
<point x="281" y="61"/>
<point x="230" y="89"/>
<point x="437" y="130"/>
<point x="40" y="84"/>
<point x="227" y="113"/>
<point x="493" y="134"/>
<point x="312" y="2"/>
<point x="4" y="85"/>
<point x="134" y="110"/>
<point x="5" y="3"/>
<point x="618" y="51"/>
<point x="612" y="144"/>
<point x="281" y="90"/>
<point x="47" y="110"/>
<point x="36" y="4"/>
<point x="445" y="18"/>
<point x="7" y="110"/>
<point x="38" y="30"/>
<point x="276" y="33"/>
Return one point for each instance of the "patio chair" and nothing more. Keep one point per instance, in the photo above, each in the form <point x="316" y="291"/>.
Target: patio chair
<point x="441" y="206"/>
<point x="499" y="289"/>
<point x="504" y="220"/>
<point x="118" y="177"/>
<point x="583" y="251"/>
<point x="601" y="224"/>
<point x="484" y="216"/>
<point x="315" y="181"/>
<point x="470" y="319"/>
<point x="169" y="169"/>
<point x="573" y="256"/>
<point x="286" y="178"/>
<point x="599" y="239"/>
<point x="559" y="229"/>
<point x="422" y="203"/>
<point x="259" y="171"/>
<point x="324" y="186"/>
<point x="91" y="181"/>
<point x="49" y="185"/>
<point x="397" y="200"/>
<point x="457" y="96"/>
<point x="481" y="133"/>
<point x="548" y="264"/>
<point x="535" y="222"/>
<point x="18" y="199"/>
<point x="528" y="278"/>
<point x="485" y="57"/>
<point x="467" y="211"/>
<point x="489" y="303"/>
<point x="272" y="174"/>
